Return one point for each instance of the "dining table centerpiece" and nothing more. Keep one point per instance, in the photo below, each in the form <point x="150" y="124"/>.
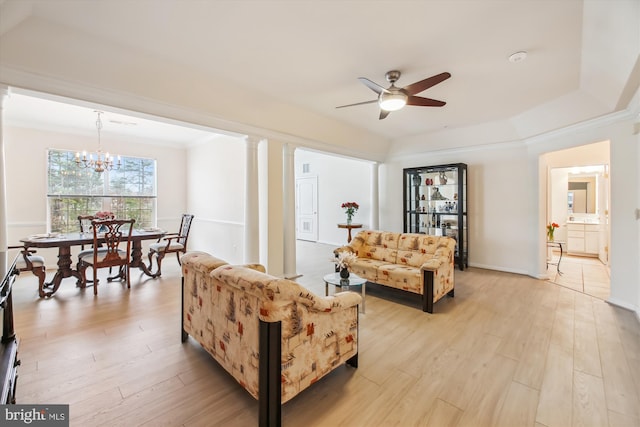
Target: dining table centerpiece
<point x="104" y="215"/>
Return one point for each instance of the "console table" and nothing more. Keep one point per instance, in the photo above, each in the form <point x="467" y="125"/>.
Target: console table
<point x="8" y="344"/>
<point x="349" y="227"/>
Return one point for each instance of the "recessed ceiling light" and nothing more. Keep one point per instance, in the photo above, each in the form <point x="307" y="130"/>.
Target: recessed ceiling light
<point x="518" y="56"/>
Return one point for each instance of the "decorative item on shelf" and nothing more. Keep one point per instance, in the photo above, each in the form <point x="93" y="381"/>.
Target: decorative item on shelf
<point x="103" y="161"/>
<point x="443" y="178"/>
<point x="428" y="181"/>
<point x="350" y="209"/>
<point x="551" y="227"/>
<point x="417" y="179"/>
<point x="343" y="261"/>
<point x="435" y="195"/>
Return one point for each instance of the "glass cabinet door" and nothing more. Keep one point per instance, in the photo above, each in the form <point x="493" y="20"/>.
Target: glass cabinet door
<point x="435" y="204"/>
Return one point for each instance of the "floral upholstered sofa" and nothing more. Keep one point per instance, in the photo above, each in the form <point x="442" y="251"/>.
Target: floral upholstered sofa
<point x="417" y="263"/>
<point x="275" y="337"/>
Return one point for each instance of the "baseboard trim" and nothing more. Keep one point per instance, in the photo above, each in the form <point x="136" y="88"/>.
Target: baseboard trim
<point x="625" y="305"/>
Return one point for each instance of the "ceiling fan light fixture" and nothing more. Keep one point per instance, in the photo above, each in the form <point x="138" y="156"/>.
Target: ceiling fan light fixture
<point x="392" y="101"/>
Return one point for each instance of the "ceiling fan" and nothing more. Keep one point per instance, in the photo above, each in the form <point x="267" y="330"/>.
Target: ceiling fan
<point x="394" y="98"/>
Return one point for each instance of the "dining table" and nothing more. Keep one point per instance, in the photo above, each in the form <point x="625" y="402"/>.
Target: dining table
<point x="64" y="242"/>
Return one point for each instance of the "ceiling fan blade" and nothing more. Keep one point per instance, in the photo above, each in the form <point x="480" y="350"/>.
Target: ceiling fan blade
<point x="358" y="103"/>
<point x="383" y="114"/>
<point x="372" y="85"/>
<point x="418" y="87"/>
<point x="424" y="102"/>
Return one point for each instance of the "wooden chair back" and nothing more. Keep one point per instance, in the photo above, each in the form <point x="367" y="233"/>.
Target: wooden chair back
<point x="185" y="227"/>
<point x="113" y="232"/>
<point x="84" y="222"/>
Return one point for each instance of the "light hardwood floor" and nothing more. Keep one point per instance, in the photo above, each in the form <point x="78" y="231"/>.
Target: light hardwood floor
<point x="508" y="350"/>
<point x="583" y="274"/>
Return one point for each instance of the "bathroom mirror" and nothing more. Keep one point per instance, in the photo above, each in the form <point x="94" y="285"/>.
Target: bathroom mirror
<point x="582" y="194"/>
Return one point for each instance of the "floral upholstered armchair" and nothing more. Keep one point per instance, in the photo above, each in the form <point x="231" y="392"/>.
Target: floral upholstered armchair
<point x="275" y="337"/>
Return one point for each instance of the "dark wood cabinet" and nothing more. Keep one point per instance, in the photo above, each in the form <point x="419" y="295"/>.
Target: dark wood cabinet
<point x="435" y="203"/>
<point x="8" y="344"/>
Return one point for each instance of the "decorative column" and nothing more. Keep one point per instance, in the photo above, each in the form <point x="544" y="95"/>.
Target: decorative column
<point x="289" y="211"/>
<point x="375" y="202"/>
<point x="251" y="203"/>
<point x="4" y="229"/>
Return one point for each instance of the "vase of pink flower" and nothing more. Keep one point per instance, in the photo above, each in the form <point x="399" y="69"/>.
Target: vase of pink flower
<point x="350" y="209"/>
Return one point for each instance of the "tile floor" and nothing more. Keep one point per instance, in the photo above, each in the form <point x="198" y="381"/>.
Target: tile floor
<point x="584" y="274"/>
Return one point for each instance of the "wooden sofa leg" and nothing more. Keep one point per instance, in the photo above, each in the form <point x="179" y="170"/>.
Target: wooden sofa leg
<point x="184" y="335"/>
<point x="269" y="377"/>
<point x="427" y="292"/>
<point x="451" y="293"/>
<point x="353" y="361"/>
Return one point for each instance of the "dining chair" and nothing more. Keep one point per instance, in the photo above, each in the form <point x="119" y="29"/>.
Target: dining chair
<point x="84" y="222"/>
<point x="33" y="263"/>
<point x="112" y="233"/>
<point x="171" y="243"/>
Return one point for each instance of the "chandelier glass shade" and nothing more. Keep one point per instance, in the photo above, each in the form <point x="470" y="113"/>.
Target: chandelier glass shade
<point x="392" y="101"/>
<point x="103" y="161"/>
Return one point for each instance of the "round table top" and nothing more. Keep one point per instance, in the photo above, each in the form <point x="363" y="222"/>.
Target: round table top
<point x="336" y="280"/>
<point x="353" y="225"/>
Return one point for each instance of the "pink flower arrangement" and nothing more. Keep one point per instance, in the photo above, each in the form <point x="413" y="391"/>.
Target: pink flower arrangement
<point x="104" y="215"/>
<point x="350" y="208"/>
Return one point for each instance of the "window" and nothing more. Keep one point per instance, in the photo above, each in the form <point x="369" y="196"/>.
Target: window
<point x="129" y="192"/>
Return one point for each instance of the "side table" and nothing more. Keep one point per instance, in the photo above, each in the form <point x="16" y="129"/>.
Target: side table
<point x="551" y="244"/>
<point x="337" y="281"/>
<point x="349" y="227"/>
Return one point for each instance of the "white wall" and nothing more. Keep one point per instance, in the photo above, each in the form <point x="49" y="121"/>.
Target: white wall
<point x="340" y="180"/>
<point x="497" y="202"/>
<point x="26" y="167"/>
<point x="507" y="198"/>
<point x="215" y="195"/>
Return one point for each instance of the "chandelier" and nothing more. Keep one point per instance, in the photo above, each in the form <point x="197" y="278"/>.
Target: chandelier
<point x="103" y="161"/>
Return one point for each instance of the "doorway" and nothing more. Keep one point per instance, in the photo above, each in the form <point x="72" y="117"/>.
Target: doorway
<point x="307" y="208"/>
<point x="578" y="200"/>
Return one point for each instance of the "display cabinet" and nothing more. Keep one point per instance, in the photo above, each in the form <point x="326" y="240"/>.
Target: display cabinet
<point x="435" y="203"/>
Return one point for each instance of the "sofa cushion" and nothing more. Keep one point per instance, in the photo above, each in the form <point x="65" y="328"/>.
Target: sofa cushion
<point x="401" y="277"/>
<point x="379" y="245"/>
<point x="367" y="268"/>
<point x="416" y="249"/>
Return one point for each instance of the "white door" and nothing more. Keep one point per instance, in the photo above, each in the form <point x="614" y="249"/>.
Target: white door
<point x="307" y="208"/>
<point x="603" y="211"/>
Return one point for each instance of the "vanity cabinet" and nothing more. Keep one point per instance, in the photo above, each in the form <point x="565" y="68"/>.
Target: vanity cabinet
<point x="435" y="203"/>
<point x="583" y="239"/>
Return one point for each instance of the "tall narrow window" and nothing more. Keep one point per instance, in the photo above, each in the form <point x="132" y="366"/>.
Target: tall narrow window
<point x="128" y="192"/>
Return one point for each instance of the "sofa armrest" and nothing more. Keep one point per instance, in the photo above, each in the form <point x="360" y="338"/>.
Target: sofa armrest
<point x="200" y="261"/>
<point x="337" y="302"/>
<point x="440" y="257"/>
<point x="341" y="249"/>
